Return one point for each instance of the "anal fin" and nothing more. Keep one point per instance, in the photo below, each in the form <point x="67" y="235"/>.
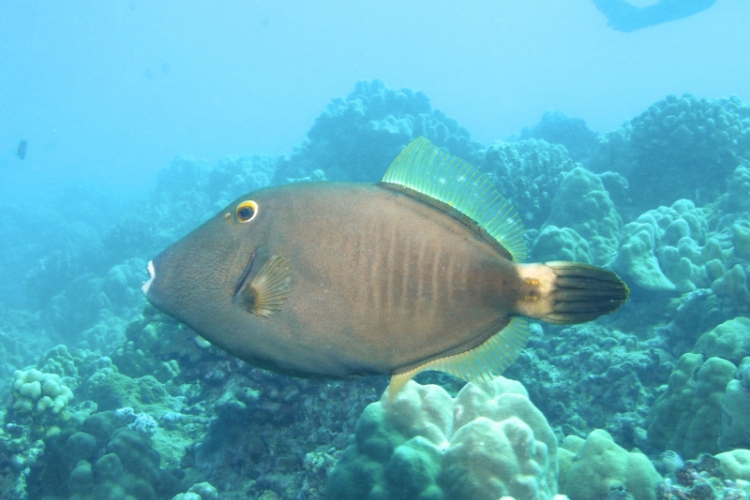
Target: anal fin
<point x="481" y="364"/>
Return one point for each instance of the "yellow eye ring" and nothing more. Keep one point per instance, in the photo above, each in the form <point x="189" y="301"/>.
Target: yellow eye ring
<point x="246" y="211"/>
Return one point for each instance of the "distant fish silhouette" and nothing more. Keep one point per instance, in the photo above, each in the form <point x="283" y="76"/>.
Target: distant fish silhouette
<point x="21" y="150"/>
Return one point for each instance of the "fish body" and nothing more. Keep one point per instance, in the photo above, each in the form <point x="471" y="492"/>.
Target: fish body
<point x="347" y="279"/>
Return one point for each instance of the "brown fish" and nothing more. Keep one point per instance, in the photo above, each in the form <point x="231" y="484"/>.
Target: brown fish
<point x="419" y="272"/>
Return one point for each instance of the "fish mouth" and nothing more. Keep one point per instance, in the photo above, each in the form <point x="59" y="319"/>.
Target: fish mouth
<point x="243" y="277"/>
<point x="152" y="275"/>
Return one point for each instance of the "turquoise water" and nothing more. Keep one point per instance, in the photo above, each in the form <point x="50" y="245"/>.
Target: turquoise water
<point x="619" y="131"/>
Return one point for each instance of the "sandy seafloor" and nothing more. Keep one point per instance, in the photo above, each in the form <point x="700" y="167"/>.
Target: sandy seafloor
<point x="105" y="397"/>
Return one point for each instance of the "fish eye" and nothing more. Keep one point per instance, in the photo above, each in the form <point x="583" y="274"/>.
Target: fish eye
<point x="246" y="211"/>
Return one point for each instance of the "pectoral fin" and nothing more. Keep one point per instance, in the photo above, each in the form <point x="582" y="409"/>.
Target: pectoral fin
<point x="266" y="293"/>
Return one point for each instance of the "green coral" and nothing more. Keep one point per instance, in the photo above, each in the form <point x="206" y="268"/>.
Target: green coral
<point x="488" y="442"/>
<point x="741" y="233"/>
<point x="666" y="249"/>
<point x="735" y="417"/>
<point x="598" y="467"/>
<point x="58" y="360"/>
<point x="138" y="356"/>
<point x="112" y="390"/>
<point x="636" y="259"/>
<point x="737" y="197"/>
<point x="556" y="243"/>
<point x="733" y="287"/>
<point x="105" y="459"/>
<point x="199" y="491"/>
<point x="685" y="418"/>
<point x="729" y="340"/>
<point x="583" y="205"/>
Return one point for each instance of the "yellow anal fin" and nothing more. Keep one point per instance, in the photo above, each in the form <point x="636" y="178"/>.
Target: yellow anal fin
<point x="270" y="287"/>
<point x="481" y="364"/>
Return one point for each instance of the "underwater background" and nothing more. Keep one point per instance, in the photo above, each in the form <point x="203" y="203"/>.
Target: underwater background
<point x="619" y="130"/>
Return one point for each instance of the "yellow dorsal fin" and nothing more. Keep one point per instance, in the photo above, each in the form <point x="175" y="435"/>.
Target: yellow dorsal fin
<point x="481" y="364"/>
<point x="269" y="288"/>
<point x="427" y="170"/>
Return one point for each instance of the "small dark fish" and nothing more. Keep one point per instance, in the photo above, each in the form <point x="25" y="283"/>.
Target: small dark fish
<point x="21" y="149"/>
<point x="422" y="271"/>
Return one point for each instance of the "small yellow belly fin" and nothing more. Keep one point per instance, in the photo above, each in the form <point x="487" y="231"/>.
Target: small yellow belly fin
<point x="481" y="364"/>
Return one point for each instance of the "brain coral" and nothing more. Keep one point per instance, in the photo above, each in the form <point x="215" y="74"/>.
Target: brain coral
<point x="488" y="442"/>
<point x="693" y="144"/>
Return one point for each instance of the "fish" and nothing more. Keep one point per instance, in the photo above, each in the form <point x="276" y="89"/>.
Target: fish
<point x="21" y="149"/>
<point x="421" y="271"/>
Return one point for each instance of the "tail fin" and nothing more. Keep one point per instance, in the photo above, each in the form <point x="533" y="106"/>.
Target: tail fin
<point x="568" y="292"/>
<point x="583" y="293"/>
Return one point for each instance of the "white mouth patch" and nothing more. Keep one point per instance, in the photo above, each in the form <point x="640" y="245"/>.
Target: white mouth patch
<point x="152" y="273"/>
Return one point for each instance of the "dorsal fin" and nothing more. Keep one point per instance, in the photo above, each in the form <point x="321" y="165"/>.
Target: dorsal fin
<point x="431" y="172"/>
<point x="481" y="364"/>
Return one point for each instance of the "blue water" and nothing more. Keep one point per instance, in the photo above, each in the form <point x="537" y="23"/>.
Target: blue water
<point x="619" y="130"/>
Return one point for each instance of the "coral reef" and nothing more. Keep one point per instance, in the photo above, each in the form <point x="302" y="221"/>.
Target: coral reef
<point x="528" y="173"/>
<point x="104" y="459"/>
<point x="694" y="145"/>
<point x="729" y="340"/>
<point x="488" y="442"/>
<point x="583" y="206"/>
<point x="357" y="137"/>
<point x="590" y="376"/>
<point x="666" y="249"/>
<point x="684" y="418"/>
<point x="597" y="467"/>
<point x="736" y="463"/>
<point x="556" y="127"/>
<point x="36" y="392"/>
<point x="101" y="378"/>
